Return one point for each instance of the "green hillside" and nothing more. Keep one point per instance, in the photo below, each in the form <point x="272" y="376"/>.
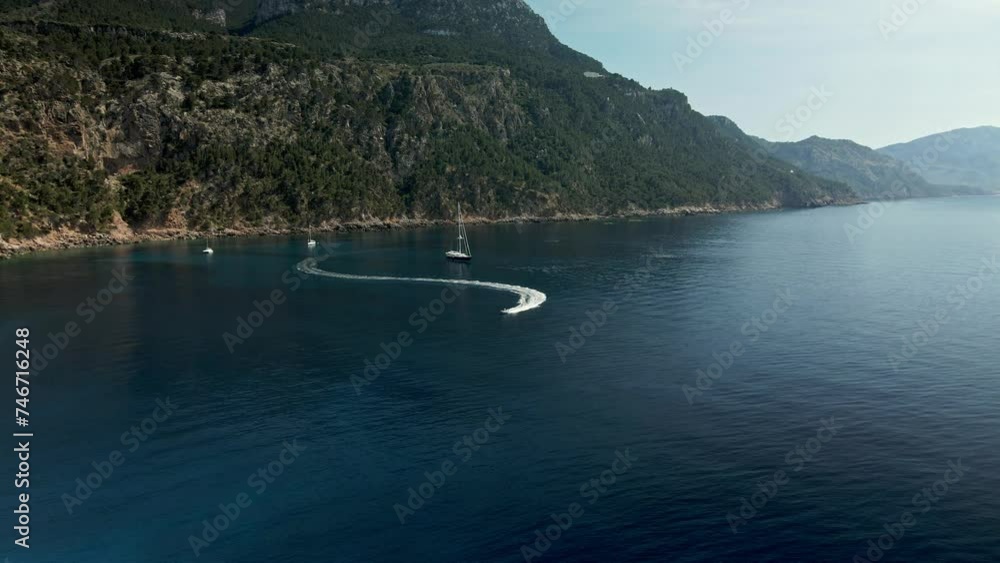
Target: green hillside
<point x="871" y="174"/>
<point x="284" y="113"/>
<point x="964" y="157"/>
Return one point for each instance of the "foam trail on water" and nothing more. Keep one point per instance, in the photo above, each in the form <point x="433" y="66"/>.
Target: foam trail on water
<point x="528" y="298"/>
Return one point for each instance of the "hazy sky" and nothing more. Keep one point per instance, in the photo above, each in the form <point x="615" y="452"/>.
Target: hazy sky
<point x="939" y="69"/>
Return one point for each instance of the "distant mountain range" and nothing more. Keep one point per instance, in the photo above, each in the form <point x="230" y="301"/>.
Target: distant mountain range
<point x="964" y="157"/>
<point x="884" y="175"/>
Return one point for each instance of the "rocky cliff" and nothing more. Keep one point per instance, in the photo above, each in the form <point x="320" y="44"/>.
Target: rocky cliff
<point x="332" y="111"/>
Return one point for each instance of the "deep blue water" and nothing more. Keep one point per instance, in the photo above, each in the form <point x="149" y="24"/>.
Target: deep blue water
<point x="825" y="355"/>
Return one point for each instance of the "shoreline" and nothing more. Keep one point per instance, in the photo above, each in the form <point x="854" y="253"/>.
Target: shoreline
<point x="67" y="239"/>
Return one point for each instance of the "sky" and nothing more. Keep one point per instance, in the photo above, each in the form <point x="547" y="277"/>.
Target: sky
<point x="877" y="72"/>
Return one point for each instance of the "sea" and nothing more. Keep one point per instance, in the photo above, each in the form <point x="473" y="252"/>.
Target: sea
<point x="794" y="386"/>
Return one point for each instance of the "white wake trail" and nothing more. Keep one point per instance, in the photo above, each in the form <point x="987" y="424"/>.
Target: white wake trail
<point x="528" y="298"/>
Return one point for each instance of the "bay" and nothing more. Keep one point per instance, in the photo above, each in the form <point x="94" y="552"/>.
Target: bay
<point x="835" y="323"/>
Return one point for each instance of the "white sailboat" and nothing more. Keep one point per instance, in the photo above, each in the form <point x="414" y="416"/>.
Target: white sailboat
<point x="462" y="253"/>
<point x="208" y="249"/>
<point x="311" y="243"/>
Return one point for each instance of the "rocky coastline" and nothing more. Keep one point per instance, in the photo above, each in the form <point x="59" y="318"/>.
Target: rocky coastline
<point x="65" y="239"/>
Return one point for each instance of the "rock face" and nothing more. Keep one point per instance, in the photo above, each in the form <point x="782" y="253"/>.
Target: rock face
<point x="216" y="16"/>
<point x="274" y="127"/>
<point x="500" y="17"/>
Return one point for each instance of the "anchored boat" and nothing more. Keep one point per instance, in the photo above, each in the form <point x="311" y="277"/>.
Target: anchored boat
<point x="462" y="252"/>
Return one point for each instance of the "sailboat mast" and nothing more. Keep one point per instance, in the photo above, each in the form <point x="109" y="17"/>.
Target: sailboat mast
<point x="465" y="235"/>
<point x="462" y="235"/>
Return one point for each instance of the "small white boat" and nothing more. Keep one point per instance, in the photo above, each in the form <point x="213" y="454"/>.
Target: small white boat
<point x="311" y="243"/>
<point x="208" y="250"/>
<point x="462" y="252"/>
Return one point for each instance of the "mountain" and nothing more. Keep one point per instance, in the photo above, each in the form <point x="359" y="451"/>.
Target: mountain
<point x="871" y="174"/>
<point x="124" y="116"/>
<point x="964" y="157"/>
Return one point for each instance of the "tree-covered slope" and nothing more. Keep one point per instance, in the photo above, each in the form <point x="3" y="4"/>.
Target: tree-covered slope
<point x="288" y="112"/>
<point x="870" y="173"/>
<point x="964" y="157"/>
